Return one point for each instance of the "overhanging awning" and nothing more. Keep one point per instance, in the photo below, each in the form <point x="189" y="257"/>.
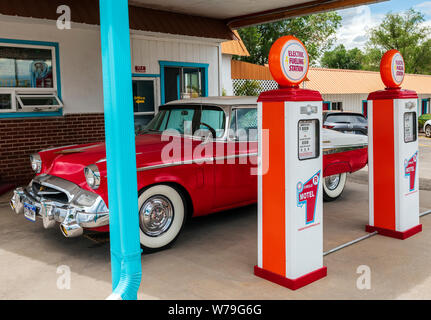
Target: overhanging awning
<point x="209" y="19"/>
<point x="241" y="13"/>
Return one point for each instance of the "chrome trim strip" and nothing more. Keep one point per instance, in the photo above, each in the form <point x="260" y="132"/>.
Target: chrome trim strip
<point x="339" y="149"/>
<point x="197" y="161"/>
<point x="84" y="209"/>
<point x="62" y="147"/>
<point x="78" y="150"/>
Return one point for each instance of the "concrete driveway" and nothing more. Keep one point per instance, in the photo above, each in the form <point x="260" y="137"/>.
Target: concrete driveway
<point x="214" y="259"/>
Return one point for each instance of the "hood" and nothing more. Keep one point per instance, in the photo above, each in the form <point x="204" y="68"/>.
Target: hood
<point x="69" y="162"/>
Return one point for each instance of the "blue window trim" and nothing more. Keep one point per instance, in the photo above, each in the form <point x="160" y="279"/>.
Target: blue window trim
<point x="57" y="68"/>
<point x="419" y="108"/>
<point x="364" y="101"/>
<point x="164" y="64"/>
<point x="329" y="104"/>
<point x="145" y="75"/>
<point x="427" y="106"/>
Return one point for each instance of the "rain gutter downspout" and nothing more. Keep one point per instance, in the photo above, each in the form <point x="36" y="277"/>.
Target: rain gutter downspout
<point x="120" y="149"/>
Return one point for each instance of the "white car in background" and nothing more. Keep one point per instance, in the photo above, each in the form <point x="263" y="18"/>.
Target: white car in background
<point x="427" y="128"/>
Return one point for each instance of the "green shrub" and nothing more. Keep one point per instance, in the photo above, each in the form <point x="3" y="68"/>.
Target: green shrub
<point x="422" y="119"/>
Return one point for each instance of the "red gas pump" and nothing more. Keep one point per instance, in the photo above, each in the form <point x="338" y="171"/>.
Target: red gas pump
<point x="290" y="237"/>
<point x="393" y="154"/>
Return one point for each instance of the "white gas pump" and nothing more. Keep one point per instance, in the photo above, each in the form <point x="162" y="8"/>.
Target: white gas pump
<point x="290" y="236"/>
<point x="393" y="154"/>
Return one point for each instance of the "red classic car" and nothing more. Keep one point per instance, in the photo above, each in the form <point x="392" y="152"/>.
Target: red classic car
<point x="183" y="173"/>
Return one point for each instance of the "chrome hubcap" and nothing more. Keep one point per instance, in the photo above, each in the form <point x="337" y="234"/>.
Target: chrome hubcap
<point x="332" y="182"/>
<point x="428" y="131"/>
<point x="156" y="215"/>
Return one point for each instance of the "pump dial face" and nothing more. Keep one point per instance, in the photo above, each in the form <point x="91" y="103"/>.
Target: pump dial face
<point x="392" y="69"/>
<point x="288" y="61"/>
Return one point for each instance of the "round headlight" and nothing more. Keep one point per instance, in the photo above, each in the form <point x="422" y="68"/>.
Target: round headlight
<point x="92" y="176"/>
<point x="36" y="162"/>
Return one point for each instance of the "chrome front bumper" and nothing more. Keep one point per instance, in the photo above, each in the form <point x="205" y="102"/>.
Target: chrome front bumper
<point x="59" y="200"/>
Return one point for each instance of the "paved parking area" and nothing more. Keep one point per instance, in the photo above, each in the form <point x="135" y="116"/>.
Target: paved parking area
<point x="214" y="259"/>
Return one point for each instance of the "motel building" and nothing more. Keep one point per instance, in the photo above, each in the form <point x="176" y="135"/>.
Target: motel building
<point x="51" y="78"/>
<point x="345" y="90"/>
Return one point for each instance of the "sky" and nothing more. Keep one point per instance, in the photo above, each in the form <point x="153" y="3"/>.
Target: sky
<point x="356" y="21"/>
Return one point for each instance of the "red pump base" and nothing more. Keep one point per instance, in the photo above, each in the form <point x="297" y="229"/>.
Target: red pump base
<point x="395" y="234"/>
<point x="292" y="284"/>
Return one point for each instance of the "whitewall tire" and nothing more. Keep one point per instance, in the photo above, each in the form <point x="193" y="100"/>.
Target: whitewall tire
<point x="162" y="214"/>
<point x="333" y="186"/>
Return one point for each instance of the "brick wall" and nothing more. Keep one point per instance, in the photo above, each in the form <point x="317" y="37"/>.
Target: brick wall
<point x="21" y="137"/>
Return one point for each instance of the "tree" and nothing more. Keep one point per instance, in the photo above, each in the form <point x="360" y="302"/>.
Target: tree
<point x="317" y="32"/>
<point x="406" y="33"/>
<point x="340" y="58"/>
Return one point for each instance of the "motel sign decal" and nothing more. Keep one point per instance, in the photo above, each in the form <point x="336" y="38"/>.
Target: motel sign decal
<point x="410" y="170"/>
<point x="307" y="194"/>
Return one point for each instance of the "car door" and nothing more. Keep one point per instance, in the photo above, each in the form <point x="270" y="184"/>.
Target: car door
<point x="235" y="172"/>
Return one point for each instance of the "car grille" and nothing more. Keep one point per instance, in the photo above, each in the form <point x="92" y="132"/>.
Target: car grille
<point x="49" y="193"/>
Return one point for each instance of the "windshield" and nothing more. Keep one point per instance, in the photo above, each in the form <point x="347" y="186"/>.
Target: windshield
<point x="188" y="119"/>
<point x="346" y="118"/>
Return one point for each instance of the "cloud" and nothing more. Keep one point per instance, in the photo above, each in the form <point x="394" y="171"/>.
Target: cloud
<point x="355" y="25"/>
<point x="424" y="7"/>
<point x="357" y="21"/>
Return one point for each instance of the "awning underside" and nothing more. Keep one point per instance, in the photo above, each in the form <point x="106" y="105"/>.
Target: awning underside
<point x="200" y="18"/>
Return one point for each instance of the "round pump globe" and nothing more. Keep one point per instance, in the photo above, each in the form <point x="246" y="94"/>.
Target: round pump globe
<point x="288" y="61"/>
<point x="392" y="69"/>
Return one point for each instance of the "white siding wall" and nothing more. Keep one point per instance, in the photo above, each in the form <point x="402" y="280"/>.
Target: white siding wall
<point x="80" y="57"/>
<point x="148" y="51"/>
<point x="227" y="84"/>
<point x="351" y="102"/>
<point x="80" y="62"/>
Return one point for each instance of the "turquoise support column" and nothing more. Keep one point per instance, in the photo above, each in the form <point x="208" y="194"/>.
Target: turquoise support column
<point x="120" y="149"/>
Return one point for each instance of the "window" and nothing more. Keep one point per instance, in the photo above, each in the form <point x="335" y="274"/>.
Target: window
<point x="182" y="80"/>
<point x="178" y="118"/>
<point x="22" y="67"/>
<point x="143" y="102"/>
<point x="213" y="118"/>
<point x="244" y="124"/>
<point x="38" y="102"/>
<point x="183" y="83"/>
<point x="7" y="101"/>
<point x="188" y="119"/>
<point x="345" y="118"/>
<point x="191" y="83"/>
<point x="337" y="106"/>
<point x="28" y="81"/>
